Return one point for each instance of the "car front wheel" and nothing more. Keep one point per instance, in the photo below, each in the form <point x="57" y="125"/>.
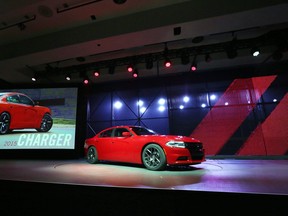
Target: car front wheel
<point x="46" y="123"/>
<point x="153" y="157"/>
<point x="5" y="120"/>
<point x="92" y="155"/>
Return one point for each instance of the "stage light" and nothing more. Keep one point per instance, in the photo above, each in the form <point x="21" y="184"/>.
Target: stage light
<point x="255" y="51"/>
<point x="85" y="80"/>
<point x="135" y="73"/>
<point x="111" y="69"/>
<point x="130" y="68"/>
<point x="185" y="58"/>
<point x="167" y="62"/>
<point x="193" y="67"/>
<point x="68" y="77"/>
<point x="149" y="62"/>
<point x="96" y="73"/>
<point x="34" y="77"/>
<point x="231" y="49"/>
<point x="208" y="58"/>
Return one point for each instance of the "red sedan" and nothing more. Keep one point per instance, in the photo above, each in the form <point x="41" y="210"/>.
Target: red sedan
<point x="140" y="145"/>
<point x="18" y="111"/>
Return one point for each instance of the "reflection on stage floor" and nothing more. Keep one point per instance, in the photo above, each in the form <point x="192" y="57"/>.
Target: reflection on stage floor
<point x="219" y="175"/>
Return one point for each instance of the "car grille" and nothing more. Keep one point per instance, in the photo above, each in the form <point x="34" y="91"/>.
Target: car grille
<point x="196" y="150"/>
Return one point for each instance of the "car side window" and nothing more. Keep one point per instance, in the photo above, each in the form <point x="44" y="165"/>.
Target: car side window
<point x="107" y="133"/>
<point x="13" y="99"/>
<point x="118" y="132"/>
<point x="26" y="100"/>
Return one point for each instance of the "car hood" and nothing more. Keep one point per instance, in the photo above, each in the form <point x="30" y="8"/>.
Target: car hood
<point x="174" y="137"/>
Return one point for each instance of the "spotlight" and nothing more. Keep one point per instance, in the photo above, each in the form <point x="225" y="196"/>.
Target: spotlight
<point x="149" y="62"/>
<point x="231" y="49"/>
<point x="111" y="69"/>
<point x="167" y="62"/>
<point x="130" y="68"/>
<point x="193" y="67"/>
<point x="86" y="80"/>
<point x="96" y="73"/>
<point x="208" y="58"/>
<point x="185" y="58"/>
<point x="68" y="77"/>
<point x="135" y="73"/>
<point x="255" y="51"/>
<point x="34" y="77"/>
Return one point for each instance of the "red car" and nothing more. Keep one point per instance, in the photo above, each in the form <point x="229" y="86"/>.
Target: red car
<point x="140" y="145"/>
<point x="18" y="111"/>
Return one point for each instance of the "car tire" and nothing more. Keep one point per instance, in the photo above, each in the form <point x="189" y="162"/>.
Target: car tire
<point x="46" y="123"/>
<point x="5" y="120"/>
<point x="92" y="155"/>
<point x="154" y="158"/>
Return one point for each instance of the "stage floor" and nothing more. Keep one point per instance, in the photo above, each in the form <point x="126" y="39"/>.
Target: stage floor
<point x="219" y="175"/>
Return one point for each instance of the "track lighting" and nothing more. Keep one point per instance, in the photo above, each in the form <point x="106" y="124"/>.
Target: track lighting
<point x="86" y="80"/>
<point x="68" y="77"/>
<point x="185" y="58"/>
<point x="231" y="49"/>
<point x="149" y="62"/>
<point x="130" y="68"/>
<point x="193" y="66"/>
<point x="208" y="58"/>
<point x="34" y="77"/>
<point x="96" y="72"/>
<point x="255" y="51"/>
<point x="135" y="73"/>
<point x="111" y="69"/>
<point x="167" y="61"/>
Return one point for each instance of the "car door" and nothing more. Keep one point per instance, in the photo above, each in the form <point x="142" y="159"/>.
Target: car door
<point x="122" y="146"/>
<point x="29" y="112"/>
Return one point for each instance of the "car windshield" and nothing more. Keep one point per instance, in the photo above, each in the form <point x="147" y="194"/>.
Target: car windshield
<point x="143" y="131"/>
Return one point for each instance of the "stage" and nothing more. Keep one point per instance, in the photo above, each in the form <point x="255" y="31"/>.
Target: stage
<point x="217" y="175"/>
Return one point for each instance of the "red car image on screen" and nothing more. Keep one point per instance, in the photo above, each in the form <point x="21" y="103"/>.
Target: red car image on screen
<point x="140" y="145"/>
<point x="18" y="111"/>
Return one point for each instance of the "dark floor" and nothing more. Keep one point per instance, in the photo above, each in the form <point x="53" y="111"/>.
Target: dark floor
<point x="70" y="187"/>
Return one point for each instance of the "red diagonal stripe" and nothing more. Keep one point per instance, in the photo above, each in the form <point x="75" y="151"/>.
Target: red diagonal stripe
<point x="271" y="137"/>
<point x="223" y="120"/>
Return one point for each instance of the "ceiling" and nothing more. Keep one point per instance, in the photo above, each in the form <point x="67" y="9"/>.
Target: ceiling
<point x="79" y="35"/>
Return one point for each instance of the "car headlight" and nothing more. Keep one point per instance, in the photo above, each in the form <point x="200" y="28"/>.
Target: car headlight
<point x="177" y="144"/>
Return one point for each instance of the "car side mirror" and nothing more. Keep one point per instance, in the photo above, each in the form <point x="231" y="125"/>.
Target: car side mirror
<point x="126" y="134"/>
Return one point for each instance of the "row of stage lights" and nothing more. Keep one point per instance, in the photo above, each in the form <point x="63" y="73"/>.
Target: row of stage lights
<point x="185" y="59"/>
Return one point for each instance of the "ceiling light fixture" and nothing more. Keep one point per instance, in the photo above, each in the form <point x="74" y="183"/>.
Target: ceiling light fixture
<point x="67" y="7"/>
<point x="193" y="66"/>
<point x="68" y="77"/>
<point x="135" y="73"/>
<point x="231" y="49"/>
<point x="149" y="62"/>
<point x="167" y="61"/>
<point x="255" y="51"/>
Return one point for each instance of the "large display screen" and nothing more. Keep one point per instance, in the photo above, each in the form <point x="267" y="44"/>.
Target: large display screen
<point x="38" y="118"/>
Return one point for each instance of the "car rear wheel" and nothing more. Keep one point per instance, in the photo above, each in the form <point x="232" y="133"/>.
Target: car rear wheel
<point x="46" y="123"/>
<point x="153" y="157"/>
<point x="92" y="155"/>
<point x="5" y="120"/>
